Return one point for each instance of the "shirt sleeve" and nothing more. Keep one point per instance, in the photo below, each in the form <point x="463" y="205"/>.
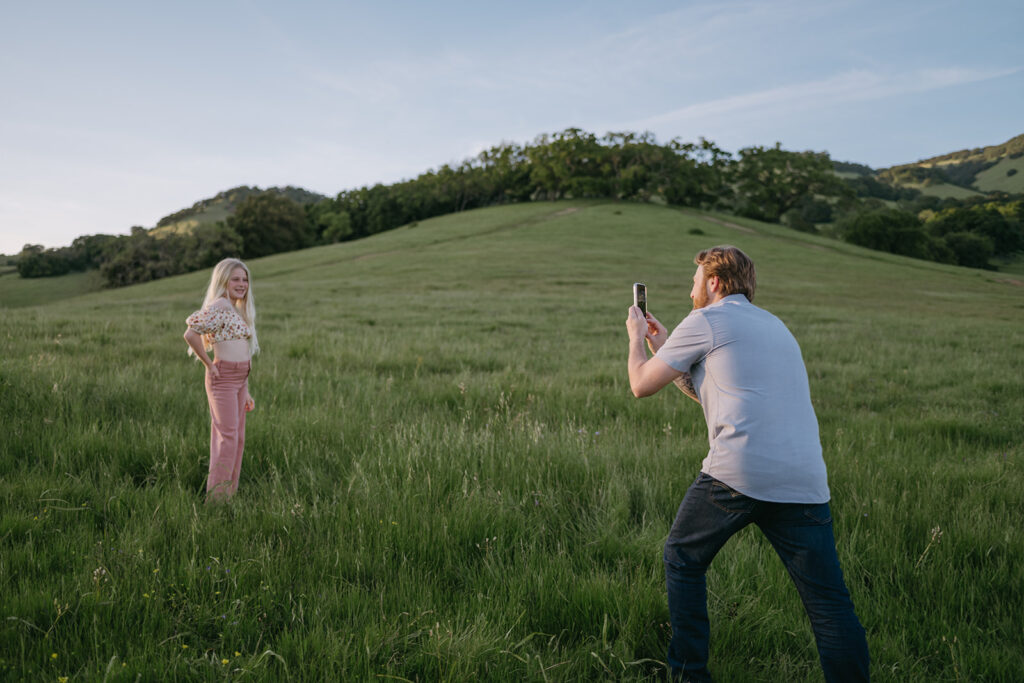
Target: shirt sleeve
<point x="205" y="320"/>
<point x="688" y="344"/>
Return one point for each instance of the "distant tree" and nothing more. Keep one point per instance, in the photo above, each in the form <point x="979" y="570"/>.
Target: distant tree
<point x="210" y="243"/>
<point x="37" y="261"/>
<point x="336" y="226"/>
<point x="505" y="174"/>
<point x="891" y="230"/>
<point x="88" y="251"/>
<point x="851" y="167"/>
<point x="698" y="176"/>
<point x="871" y="186"/>
<point x="567" y="164"/>
<point x="270" y="223"/>
<point x="807" y="214"/>
<point x="634" y="166"/>
<point x="383" y="211"/>
<point x="794" y="219"/>
<point x="141" y="257"/>
<point x="924" y="202"/>
<point x="771" y="181"/>
<point x="1012" y="209"/>
<point x="972" y="250"/>
<point x="965" y="173"/>
<point x="912" y="174"/>
<point x="1005" y="235"/>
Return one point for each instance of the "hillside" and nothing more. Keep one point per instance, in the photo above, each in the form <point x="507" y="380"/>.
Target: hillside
<point x="446" y="477"/>
<point x="1012" y="148"/>
<point x="965" y="172"/>
<point x="797" y="189"/>
<point x="222" y="205"/>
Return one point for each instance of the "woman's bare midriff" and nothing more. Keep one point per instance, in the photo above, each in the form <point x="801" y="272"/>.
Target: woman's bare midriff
<point x="235" y="351"/>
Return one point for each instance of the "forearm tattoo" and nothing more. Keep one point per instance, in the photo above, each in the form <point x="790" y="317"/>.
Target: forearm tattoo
<point x="685" y="384"/>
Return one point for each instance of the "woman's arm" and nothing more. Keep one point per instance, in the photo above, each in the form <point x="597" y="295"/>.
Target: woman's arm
<point x="195" y="340"/>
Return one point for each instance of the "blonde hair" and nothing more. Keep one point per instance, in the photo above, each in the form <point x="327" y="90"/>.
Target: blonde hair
<point x="732" y="267"/>
<point x="218" y="289"/>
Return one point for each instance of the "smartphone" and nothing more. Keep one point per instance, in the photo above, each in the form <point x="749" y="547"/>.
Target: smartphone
<point x="640" y="296"/>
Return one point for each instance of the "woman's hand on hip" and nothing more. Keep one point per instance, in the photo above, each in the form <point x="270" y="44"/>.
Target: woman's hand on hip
<point x="213" y="371"/>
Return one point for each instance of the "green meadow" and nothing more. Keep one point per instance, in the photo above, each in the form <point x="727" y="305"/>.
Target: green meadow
<point x="946" y="191"/>
<point x="16" y="292"/>
<point x="1000" y="177"/>
<point x="446" y="477"/>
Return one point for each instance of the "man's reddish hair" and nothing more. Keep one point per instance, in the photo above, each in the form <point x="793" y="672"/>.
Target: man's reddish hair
<point x="733" y="268"/>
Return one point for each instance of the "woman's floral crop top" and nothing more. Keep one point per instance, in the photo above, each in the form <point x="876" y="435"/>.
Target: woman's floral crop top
<point x="220" y="323"/>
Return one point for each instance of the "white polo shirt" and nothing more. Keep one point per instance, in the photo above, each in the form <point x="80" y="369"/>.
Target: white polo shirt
<point x="747" y="370"/>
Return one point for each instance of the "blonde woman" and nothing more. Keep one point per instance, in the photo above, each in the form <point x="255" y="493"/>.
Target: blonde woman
<point x="226" y="325"/>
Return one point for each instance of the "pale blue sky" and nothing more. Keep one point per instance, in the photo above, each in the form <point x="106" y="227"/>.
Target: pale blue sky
<point x="114" y="114"/>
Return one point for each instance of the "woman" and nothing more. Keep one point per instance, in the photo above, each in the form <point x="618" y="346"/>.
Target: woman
<point x="226" y="324"/>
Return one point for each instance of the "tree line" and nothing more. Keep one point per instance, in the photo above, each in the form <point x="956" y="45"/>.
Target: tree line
<point x="965" y="232"/>
<point x="799" y="189"/>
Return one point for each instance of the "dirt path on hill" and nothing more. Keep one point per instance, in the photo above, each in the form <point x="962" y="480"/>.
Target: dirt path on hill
<point x="734" y="226"/>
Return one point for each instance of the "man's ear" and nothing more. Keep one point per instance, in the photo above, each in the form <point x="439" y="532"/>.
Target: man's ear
<point x="714" y="283"/>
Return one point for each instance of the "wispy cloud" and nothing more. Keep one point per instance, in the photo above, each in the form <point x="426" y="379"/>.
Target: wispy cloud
<point x="844" y="88"/>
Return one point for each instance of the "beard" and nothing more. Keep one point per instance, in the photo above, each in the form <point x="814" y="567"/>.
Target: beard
<point x="701" y="300"/>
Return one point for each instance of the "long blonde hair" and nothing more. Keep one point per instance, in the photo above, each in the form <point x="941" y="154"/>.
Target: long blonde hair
<point x="218" y="289"/>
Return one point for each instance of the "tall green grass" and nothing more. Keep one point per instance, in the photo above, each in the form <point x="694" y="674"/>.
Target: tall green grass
<point x="446" y="476"/>
<point x="17" y="291"/>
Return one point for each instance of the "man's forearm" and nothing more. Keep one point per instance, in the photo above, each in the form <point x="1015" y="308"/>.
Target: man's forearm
<point x="637" y="357"/>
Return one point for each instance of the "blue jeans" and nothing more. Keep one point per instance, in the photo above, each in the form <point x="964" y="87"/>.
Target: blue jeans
<point x="801" y="534"/>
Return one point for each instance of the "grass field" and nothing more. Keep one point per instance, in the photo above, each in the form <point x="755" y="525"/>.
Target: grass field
<point x="1012" y="266"/>
<point x="16" y="292"/>
<point x="996" y="179"/>
<point x="447" y="478"/>
<point x="945" y="190"/>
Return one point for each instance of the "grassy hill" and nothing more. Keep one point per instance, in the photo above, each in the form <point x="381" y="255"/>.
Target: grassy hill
<point x="965" y="172"/>
<point x="209" y="214"/>
<point x="1007" y="175"/>
<point x="16" y="292"/>
<point x="222" y="205"/>
<point x="943" y="190"/>
<point x="446" y="477"/>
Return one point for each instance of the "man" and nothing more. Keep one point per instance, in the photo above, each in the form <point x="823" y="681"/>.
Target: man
<point x="764" y="465"/>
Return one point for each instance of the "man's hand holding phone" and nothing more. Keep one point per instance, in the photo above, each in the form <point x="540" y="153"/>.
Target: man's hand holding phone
<point x="636" y="324"/>
<point x="656" y="333"/>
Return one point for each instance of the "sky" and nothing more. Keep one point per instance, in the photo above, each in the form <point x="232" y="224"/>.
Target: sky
<point x="115" y="114"/>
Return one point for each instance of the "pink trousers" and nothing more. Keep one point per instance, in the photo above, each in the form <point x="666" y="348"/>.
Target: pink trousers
<point x="226" y="395"/>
